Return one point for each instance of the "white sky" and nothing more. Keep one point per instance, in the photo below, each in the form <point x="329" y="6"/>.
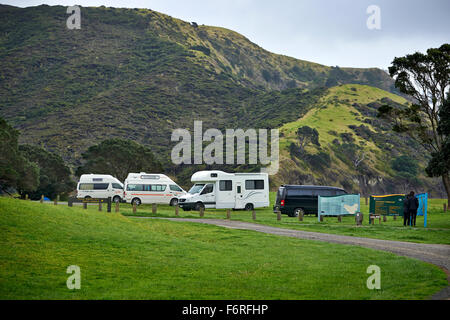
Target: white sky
<point x="330" y="32"/>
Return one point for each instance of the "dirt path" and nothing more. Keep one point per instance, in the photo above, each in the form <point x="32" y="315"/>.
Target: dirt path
<point x="437" y="254"/>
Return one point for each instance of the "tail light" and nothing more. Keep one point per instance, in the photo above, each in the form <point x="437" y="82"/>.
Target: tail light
<point x="282" y="203"/>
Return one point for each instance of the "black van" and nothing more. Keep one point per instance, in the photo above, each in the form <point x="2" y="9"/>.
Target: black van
<point x="293" y="200"/>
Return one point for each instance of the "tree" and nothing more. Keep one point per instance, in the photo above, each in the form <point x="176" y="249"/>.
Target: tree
<point x="307" y="135"/>
<point x="118" y="157"/>
<point x="439" y="164"/>
<point x="15" y="171"/>
<point x="425" y="77"/>
<point x="406" y="169"/>
<point x="54" y="175"/>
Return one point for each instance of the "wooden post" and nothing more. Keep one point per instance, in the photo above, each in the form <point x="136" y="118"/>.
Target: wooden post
<point x="134" y="207"/>
<point x="108" y="205"/>
<point x="84" y="205"/>
<point x="253" y="214"/>
<point x="367" y="201"/>
<point x="300" y="216"/>
<point x="99" y="205"/>
<point x="154" y="208"/>
<point x="177" y="209"/>
<point x="26" y="196"/>
<point x="395" y="218"/>
<point x="55" y="201"/>
<point x="321" y="218"/>
<point x="339" y="218"/>
<point x="70" y="202"/>
<point x="359" y="218"/>
<point x="384" y="218"/>
<point x="445" y="207"/>
<point x="278" y="215"/>
<point x="117" y="207"/>
<point x="42" y="199"/>
<point x="228" y="214"/>
<point x="202" y="212"/>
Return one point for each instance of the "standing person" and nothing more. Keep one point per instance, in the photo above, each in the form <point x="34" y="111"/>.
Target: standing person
<point x="413" y="205"/>
<point x="406" y="211"/>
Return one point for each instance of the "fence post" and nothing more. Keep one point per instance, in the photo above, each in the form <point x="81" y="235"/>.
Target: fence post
<point x="395" y="217"/>
<point x="134" y="207"/>
<point x="99" y="205"/>
<point x="228" y="214"/>
<point x="445" y="207"/>
<point x="367" y="201"/>
<point x="300" y="216"/>
<point x="84" y="205"/>
<point x="384" y="218"/>
<point x="321" y="218"/>
<point x="26" y="196"/>
<point x="339" y="218"/>
<point x="278" y="215"/>
<point x="70" y="202"/>
<point x="117" y="206"/>
<point x="253" y="214"/>
<point x="177" y="208"/>
<point x="202" y="212"/>
<point x="108" y="208"/>
<point x="154" y="208"/>
<point x="42" y="199"/>
<point x="55" y="201"/>
<point x="359" y="218"/>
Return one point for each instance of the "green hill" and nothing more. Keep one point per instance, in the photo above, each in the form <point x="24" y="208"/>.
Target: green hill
<point x="139" y="74"/>
<point x="122" y="258"/>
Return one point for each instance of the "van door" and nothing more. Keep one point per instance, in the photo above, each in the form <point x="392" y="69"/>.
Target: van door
<point x="239" y="204"/>
<point x="225" y="195"/>
<point x="208" y="196"/>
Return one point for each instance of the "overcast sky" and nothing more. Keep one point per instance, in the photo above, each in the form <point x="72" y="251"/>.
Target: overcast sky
<point x="330" y="32"/>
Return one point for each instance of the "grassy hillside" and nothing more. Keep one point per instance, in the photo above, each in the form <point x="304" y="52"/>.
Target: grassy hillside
<point x="139" y="74"/>
<point x="348" y="129"/>
<point x="128" y="259"/>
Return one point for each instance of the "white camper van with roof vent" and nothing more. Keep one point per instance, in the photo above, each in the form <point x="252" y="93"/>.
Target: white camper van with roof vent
<point x="221" y="190"/>
<point x="99" y="186"/>
<point x="151" y="188"/>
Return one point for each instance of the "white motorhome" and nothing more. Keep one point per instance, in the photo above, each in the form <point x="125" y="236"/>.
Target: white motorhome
<point x="100" y="186"/>
<point x="151" y="188"/>
<point x="221" y="190"/>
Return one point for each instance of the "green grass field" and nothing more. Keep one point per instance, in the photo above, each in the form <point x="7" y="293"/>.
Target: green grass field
<point x="437" y="230"/>
<point x="126" y="258"/>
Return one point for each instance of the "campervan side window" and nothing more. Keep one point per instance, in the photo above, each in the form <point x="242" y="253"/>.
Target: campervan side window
<point x="299" y="192"/>
<point x="254" y="184"/>
<point x="174" y="187"/>
<point x="154" y="187"/>
<point x="208" y="189"/>
<point x="116" y="186"/>
<point x="101" y="186"/>
<point x="135" y="187"/>
<point x="86" y="186"/>
<point x="225" y="185"/>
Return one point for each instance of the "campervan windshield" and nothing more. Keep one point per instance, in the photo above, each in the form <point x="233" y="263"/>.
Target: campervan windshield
<point x="196" y="188"/>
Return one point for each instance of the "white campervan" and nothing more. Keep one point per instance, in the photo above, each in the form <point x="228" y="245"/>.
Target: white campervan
<point x="151" y="188"/>
<point x="221" y="190"/>
<point x="99" y="186"/>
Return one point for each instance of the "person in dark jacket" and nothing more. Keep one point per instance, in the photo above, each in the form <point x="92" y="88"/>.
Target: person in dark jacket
<point x="413" y="205"/>
<point x="406" y="211"/>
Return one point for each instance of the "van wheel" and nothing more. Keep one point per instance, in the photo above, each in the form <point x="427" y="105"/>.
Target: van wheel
<point x="116" y="199"/>
<point x="173" y="202"/>
<point x="298" y="211"/>
<point x="88" y="197"/>
<point x="136" y="201"/>
<point x="198" y="206"/>
<point x="249" y="207"/>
